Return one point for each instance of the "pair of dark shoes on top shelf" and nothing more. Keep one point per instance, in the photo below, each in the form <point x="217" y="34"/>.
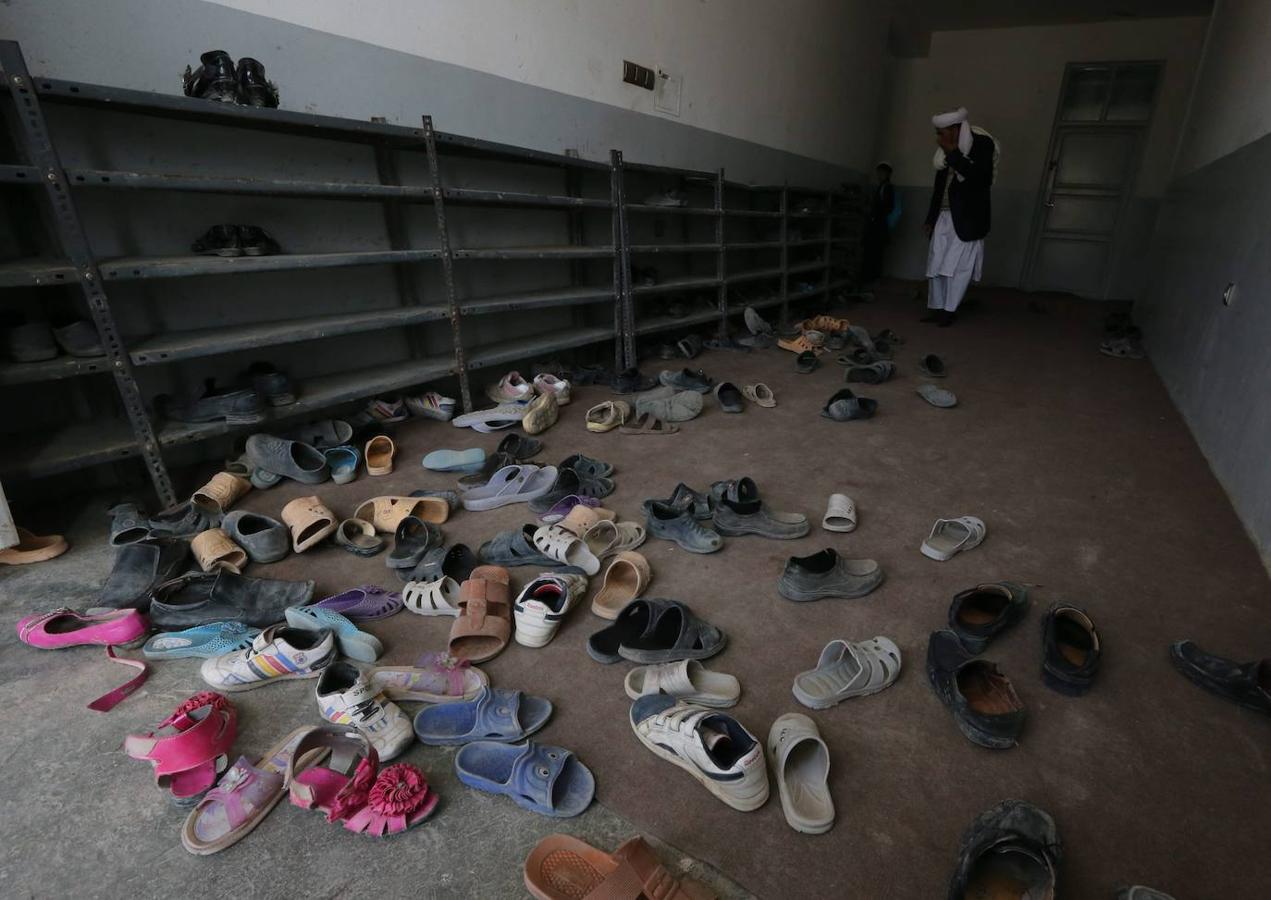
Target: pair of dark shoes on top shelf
<point x="218" y="78"/>
<point x="236" y="240"/>
<point x="236" y="405"/>
<point x="982" y="699"/>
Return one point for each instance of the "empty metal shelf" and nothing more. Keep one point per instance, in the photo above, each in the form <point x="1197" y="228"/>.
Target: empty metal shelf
<point x="537" y="299"/>
<point x="527" y="348"/>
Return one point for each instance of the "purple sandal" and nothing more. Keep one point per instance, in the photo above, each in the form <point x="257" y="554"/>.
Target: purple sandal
<point x="362" y="603"/>
<point x="561" y="507"/>
<point x="435" y="678"/>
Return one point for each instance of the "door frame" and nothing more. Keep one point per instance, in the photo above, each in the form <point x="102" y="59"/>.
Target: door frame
<point x="1057" y="128"/>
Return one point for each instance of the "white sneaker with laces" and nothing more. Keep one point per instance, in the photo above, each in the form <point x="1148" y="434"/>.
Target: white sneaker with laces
<point x="712" y="747"/>
<point x="511" y="387"/>
<point x="543" y="604"/>
<point x="278" y="653"/>
<point x="550" y="384"/>
<point x="346" y="697"/>
<point x="431" y="405"/>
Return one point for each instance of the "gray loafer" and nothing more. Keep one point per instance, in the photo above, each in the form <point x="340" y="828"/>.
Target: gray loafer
<point x="128" y="524"/>
<point x="740" y="511"/>
<point x="678" y="525"/>
<point x="266" y="540"/>
<point x="183" y="520"/>
<point x="826" y="574"/>
<point x="291" y="459"/>
<point x="140" y="568"/>
<point x="198" y="598"/>
<point x="235" y="406"/>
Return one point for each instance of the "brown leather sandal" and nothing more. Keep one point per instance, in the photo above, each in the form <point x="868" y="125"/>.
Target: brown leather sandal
<point x="561" y="867"/>
<point x="484" y="624"/>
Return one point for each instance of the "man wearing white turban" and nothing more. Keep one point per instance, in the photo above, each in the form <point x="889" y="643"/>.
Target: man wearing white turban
<point x="958" y="218"/>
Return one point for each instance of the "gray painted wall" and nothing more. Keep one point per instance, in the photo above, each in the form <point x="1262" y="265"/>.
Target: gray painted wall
<point x="1214" y="359"/>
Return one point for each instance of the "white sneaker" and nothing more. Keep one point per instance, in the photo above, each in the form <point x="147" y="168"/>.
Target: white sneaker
<point x="712" y="747"/>
<point x="431" y="405"/>
<point x="346" y="697"/>
<point x="542" y="604"/>
<point x="278" y="653"/>
<point x="550" y="384"/>
<point x="511" y="387"/>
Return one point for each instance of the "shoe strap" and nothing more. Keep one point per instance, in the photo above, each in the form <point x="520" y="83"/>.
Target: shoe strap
<point x="108" y="701"/>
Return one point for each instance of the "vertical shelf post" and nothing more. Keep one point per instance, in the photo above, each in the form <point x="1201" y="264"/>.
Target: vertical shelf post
<point x="447" y="264"/>
<point x="624" y="313"/>
<point x="721" y="262"/>
<point x="785" y="254"/>
<point x="398" y="239"/>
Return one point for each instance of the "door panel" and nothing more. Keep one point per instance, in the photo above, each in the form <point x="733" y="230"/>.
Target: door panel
<point x="1087" y="214"/>
<point x="1094" y="159"/>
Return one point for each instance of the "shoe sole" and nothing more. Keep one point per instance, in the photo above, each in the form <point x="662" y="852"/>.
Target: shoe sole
<point x="704" y="780"/>
<point x="237" y="688"/>
<point x="805" y="596"/>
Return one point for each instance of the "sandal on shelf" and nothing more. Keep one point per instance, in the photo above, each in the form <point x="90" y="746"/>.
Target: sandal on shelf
<point x="951" y="536"/>
<point x="309" y="520"/>
<point x="541" y="778"/>
<point x="627" y="577"/>
<point x="493" y="715"/>
<point x="351" y="787"/>
<point x="432" y="598"/>
<point x="686" y="680"/>
<point x="847" y="670"/>
<point x="363" y="603"/>
<point x="760" y="394"/>
<point x="241" y="800"/>
<point x="608" y="415"/>
<point x="435" y="678"/>
<point x="565" y="547"/>
<point x="840" y="514"/>
<point x="386" y="513"/>
<point x="358" y="537"/>
<point x="561" y="867"/>
<point x="214" y="550"/>
<point x="484" y="624"/>
<point x="188" y="749"/>
<point x="648" y="423"/>
<point x="379" y="453"/>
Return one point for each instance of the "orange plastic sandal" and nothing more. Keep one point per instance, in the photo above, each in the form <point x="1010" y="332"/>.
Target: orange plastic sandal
<point x="33" y="548"/>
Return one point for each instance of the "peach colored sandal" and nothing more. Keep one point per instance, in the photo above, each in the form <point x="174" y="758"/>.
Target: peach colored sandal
<point x="221" y="492"/>
<point x="309" y="520"/>
<point x="379" y="455"/>
<point x="215" y="551"/>
<point x="561" y="867"/>
<point x="484" y="624"/>
<point x="386" y="513"/>
<point x="627" y="577"/>
<point x="33" y="548"/>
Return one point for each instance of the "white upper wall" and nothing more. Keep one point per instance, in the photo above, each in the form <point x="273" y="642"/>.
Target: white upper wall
<point x="803" y="76"/>
<point x="1009" y="79"/>
<point x="1232" y="104"/>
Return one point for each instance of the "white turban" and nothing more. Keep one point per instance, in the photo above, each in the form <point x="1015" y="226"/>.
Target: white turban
<point x="965" y="135"/>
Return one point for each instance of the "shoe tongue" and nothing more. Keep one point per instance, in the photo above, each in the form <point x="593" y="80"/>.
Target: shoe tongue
<point x="712" y="737"/>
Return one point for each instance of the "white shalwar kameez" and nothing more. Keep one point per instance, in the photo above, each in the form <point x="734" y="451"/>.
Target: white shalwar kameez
<point x="952" y="264"/>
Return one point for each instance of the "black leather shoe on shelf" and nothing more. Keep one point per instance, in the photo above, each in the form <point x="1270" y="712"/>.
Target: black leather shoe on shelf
<point x="1011" y="850"/>
<point x="254" y="89"/>
<point x="979" y="614"/>
<point x="215" y="79"/>
<point x="1248" y="684"/>
<point x="255" y="241"/>
<point x="1071" y="650"/>
<point x="219" y="240"/>
<point x="237" y="406"/>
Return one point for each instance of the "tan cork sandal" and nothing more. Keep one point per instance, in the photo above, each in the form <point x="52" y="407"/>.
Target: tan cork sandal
<point x="627" y="577"/>
<point x="386" y="513"/>
<point x="309" y="520"/>
<point x="215" y="551"/>
<point x="221" y="492"/>
<point x="380" y="451"/>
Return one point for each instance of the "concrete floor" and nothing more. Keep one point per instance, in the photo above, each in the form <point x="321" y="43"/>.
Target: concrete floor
<point x="1093" y="492"/>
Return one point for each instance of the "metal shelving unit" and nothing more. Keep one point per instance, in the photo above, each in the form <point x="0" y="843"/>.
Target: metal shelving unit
<point x="105" y="440"/>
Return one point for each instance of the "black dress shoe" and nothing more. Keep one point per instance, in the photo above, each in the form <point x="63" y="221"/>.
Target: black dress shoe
<point x="982" y="699"/>
<point x="219" y="240"/>
<point x="255" y="241"/>
<point x="254" y="89"/>
<point x="1011" y="850"/>
<point x="979" y="614"/>
<point x="1071" y="650"/>
<point x="1248" y="684"/>
<point x="946" y="319"/>
<point x="215" y="78"/>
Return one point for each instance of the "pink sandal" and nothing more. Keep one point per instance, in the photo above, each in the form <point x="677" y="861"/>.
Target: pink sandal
<point x="371" y="800"/>
<point x="67" y="628"/>
<point x="189" y="748"/>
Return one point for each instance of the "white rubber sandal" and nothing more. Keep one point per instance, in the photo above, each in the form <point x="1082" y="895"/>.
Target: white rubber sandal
<point x="687" y="680"/>
<point x="564" y="546"/>
<point x="432" y="598"/>
<point x="511" y="484"/>
<point x="801" y="762"/>
<point x="607" y="538"/>
<point x="950" y="537"/>
<point x="846" y="670"/>
<point x="840" y="514"/>
<point x="760" y="394"/>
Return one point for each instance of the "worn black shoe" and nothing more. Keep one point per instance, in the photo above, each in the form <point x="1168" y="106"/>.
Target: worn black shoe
<point x="213" y="80"/>
<point x="273" y="386"/>
<point x="983" y="701"/>
<point x="1071" y="650"/>
<point x="219" y="240"/>
<point x="932" y="316"/>
<point x="1248" y="684"/>
<point x="255" y="241"/>
<point x="979" y="614"/>
<point x="1013" y="847"/>
<point x="237" y="406"/>
<point x="946" y="319"/>
<point x="254" y="89"/>
<point x="631" y="381"/>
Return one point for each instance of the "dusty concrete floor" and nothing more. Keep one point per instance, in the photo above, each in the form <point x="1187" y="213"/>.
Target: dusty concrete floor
<point x="1092" y="490"/>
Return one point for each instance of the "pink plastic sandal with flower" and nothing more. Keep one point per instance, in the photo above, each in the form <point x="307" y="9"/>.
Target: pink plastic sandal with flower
<point x="435" y="678"/>
<point x="370" y="800"/>
<point x="191" y="747"/>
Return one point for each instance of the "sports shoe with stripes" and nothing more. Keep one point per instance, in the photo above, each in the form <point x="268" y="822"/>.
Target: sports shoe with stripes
<point x="278" y="653"/>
